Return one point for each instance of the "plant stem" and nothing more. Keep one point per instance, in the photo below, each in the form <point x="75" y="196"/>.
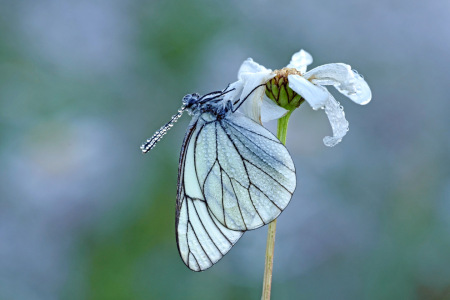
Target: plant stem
<point x="282" y="127"/>
<point x="267" y="284"/>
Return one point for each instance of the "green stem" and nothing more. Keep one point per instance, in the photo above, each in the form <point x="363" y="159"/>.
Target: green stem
<point x="282" y="127"/>
<point x="267" y="284"/>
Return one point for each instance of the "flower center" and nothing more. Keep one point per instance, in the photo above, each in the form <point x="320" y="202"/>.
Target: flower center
<point x="287" y="71"/>
<point x="279" y="91"/>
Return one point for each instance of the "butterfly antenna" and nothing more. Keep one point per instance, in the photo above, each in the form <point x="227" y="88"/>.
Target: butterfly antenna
<point x="242" y="101"/>
<point x="218" y="94"/>
<point x="151" y="142"/>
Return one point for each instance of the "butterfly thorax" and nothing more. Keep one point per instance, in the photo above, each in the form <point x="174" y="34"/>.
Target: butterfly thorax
<point x="212" y="103"/>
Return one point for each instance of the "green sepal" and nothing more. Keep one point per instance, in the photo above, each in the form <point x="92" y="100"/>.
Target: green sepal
<point x="275" y="90"/>
<point x="297" y="100"/>
<point x="278" y="90"/>
<point x="283" y="99"/>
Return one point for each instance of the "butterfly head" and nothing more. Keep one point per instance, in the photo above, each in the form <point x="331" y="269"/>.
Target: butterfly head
<point x="191" y="102"/>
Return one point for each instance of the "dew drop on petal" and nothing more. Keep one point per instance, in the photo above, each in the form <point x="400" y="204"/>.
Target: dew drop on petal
<point x="357" y="73"/>
<point x="331" y="141"/>
<point x="339" y="124"/>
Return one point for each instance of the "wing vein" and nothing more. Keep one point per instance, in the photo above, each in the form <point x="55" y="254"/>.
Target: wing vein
<point x="200" y="243"/>
<point x="196" y="211"/>
<point x="246" y="172"/>
<point x="237" y="201"/>
<point x="223" y="206"/>
<point x="280" y="184"/>
<point x="251" y="200"/>
<point x="195" y="151"/>
<point x="228" y="240"/>
<point x="267" y="197"/>
<point x="206" y="177"/>
<point x="190" y="252"/>
<point x="232" y="124"/>
<point x="271" y="156"/>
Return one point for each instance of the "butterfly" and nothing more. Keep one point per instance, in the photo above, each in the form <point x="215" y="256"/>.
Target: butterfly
<point x="234" y="175"/>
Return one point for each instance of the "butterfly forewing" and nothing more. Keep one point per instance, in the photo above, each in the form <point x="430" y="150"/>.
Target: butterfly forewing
<point x="234" y="175"/>
<point x="245" y="173"/>
<point x="201" y="239"/>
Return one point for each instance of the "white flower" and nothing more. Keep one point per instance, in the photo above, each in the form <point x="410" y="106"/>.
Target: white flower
<point x="309" y="85"/>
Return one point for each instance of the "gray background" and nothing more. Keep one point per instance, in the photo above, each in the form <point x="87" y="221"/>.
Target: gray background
<point x="84" y="215"/>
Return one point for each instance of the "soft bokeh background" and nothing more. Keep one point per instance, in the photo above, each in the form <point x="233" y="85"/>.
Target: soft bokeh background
<point x="84" y="215"/>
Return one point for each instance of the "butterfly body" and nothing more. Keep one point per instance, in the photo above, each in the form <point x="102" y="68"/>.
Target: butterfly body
<point x="212" y="103"/>
<point x="234" y="175"/>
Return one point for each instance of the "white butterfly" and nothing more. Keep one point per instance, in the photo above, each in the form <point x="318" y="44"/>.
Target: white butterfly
<point x="234" y="175"/>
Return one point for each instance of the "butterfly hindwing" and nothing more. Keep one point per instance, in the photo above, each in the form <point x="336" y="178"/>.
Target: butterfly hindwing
<point x="201" y="239"/>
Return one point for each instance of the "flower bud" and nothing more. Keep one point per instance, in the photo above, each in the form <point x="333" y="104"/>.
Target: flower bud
<point x="279" y="91"/>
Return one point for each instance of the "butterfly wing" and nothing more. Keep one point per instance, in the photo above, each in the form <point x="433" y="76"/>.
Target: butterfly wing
<point x="245" y="173"/>
<point x="201" y="239"/>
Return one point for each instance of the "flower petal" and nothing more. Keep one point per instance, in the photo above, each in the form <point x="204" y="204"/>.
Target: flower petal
<point x="314" y="95"/>
<point x="300" y="61"/>
<point x="249" y="66"/>
<point x="270" y="110"/>
<point x="253" y="95"/>
<point x="232" y="96"/>
<point x="336" y="116"/>
<point x="344" y="79"/>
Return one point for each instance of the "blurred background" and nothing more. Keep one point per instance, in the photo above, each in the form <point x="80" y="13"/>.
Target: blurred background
<point x="84" y="215"/>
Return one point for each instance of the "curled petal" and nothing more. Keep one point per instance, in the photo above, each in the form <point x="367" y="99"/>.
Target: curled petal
<point x="336" y="116"/>
<point x="250" y="76"/>
<point x="300" y="61"/>
<point x="315" y="95"/>
<point x="234" y="95"/>
<point x="250" y="67"/>
<point x="263" y="111"/>
<point x="270" y="110"/>
<point x="344" y="79"/>
<point x="252" y="94"/>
